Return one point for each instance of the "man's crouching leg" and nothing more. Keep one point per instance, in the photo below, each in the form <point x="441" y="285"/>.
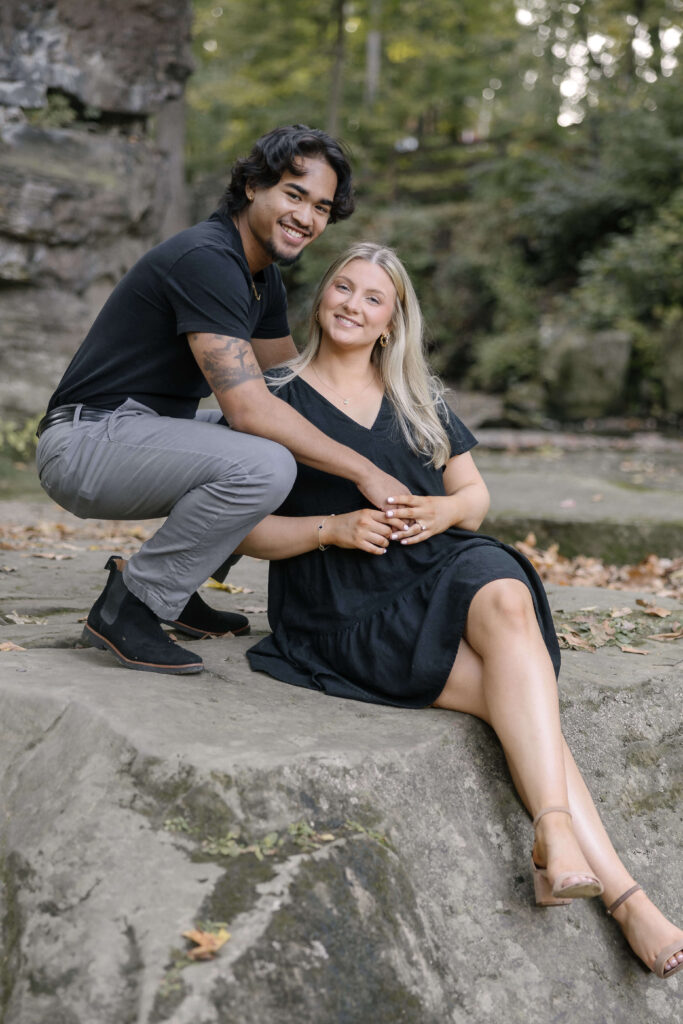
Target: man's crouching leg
<point x="163" y="576"/>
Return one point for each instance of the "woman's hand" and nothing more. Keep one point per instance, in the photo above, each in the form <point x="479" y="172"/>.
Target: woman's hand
<point x="424" y="516"/>
<point x="366" y="530"/>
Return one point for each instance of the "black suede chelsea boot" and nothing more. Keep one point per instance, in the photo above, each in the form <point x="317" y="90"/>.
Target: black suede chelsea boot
<point x="119" y="622"/>
<point x="198" y="619"/>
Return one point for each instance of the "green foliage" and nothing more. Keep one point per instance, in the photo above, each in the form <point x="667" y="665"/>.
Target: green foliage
<point x="504" y="360"/>
<point x="638" y="276"/>
<point x="522" y="156"/>
<point x="58" y="112"/>
<point x="18" y="440"/>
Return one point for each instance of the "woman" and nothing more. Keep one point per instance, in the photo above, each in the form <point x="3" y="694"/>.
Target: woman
<point x="409" y="606"/>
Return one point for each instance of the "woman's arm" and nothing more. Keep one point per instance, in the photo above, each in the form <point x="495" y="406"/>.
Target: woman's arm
<point x="465" y="504"/>
<point x="285" y="536"/>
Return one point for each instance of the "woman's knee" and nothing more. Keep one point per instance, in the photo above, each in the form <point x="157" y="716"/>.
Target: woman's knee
<point x="507" y="601"/>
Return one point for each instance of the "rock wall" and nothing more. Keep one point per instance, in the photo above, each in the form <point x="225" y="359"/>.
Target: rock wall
<point x="89" y="170"/>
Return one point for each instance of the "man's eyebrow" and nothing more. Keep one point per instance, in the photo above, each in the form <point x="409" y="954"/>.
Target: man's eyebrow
<point x="304" y="192"/>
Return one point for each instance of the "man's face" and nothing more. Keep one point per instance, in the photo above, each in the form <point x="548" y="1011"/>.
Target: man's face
<point x="281" y="221"/>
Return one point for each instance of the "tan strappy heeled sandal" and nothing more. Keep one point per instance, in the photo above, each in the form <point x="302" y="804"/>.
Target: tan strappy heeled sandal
<point x="557" y="895"/>
<point x="666" y="953"/>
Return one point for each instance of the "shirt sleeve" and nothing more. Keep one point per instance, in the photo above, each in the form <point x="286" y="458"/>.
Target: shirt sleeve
<point x="462" y="440"/>
<point x="209" y="294"/>
<point x="273" y="323"/>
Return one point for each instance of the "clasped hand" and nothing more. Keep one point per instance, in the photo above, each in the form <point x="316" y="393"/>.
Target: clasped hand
<point x="410" y="519"/>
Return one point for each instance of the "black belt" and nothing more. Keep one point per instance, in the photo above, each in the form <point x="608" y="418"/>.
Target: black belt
<point x="66" y="413"/>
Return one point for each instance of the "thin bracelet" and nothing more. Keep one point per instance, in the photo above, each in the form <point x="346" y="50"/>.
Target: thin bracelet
<point x="321" y="546"/>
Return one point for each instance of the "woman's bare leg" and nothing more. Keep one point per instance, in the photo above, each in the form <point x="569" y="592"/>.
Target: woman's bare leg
<point x="522" y="706"/>
<point x="645" y="927"/>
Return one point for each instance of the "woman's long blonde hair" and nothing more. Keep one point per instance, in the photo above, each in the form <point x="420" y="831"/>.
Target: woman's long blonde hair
<point x="414" y="391"/>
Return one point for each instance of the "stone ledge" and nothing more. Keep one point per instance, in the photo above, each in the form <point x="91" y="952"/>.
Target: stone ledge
<point x="418" y="910"/>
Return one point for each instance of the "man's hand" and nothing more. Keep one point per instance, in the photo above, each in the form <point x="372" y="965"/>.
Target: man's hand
<point x="378" y="486"/>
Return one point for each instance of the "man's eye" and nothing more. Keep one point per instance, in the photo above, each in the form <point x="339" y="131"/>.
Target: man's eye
<point x="294" y="195"/>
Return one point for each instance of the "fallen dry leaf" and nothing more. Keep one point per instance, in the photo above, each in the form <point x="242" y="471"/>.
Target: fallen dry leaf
<point x="652" y="609"/>
<point x="619" y="613"/>
<point x="7" y="645"/>
<point x="676" y="635"/>
<point x="574" y="642"/>
<point x="632" y="650"/>
<point x="230" y="588"/>
<point x="24" y="620"/>
<point x="48" y="554"/>
<point x="207" y="943"/>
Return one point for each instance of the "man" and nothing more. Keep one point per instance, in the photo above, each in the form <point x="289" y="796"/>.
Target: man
<point x="204" y="311"/>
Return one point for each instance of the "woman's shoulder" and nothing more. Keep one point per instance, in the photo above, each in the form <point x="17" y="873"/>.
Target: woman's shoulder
<point x="280" y="377"/>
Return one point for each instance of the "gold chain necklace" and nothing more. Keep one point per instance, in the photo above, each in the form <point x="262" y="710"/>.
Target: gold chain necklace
<point x="345" y="401"/>
<point x="253" y="288"/>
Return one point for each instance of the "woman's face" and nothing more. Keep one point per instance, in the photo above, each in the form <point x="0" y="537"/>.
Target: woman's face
<point x="357" y="305"/>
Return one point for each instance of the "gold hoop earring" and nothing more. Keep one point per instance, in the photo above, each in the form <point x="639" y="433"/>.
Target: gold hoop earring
<point x="384" y="339"/>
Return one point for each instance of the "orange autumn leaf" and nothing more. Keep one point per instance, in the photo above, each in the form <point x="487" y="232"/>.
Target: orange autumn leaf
<point x="207" y="944"/>
<point x="632" y="650"/>
<point x="7" y="645"/>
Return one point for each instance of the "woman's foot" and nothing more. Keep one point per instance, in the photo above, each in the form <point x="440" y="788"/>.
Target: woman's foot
<point x="648" y="932"/>
<point x="556" y="849"/>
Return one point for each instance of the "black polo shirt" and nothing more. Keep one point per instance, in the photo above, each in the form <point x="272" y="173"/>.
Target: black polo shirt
<point x="196" y="281"/>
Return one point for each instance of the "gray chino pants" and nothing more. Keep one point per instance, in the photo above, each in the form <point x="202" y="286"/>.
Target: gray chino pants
<point x="213" y="484"/>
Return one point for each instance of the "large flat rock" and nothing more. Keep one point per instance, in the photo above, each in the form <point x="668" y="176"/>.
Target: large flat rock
<point x="370" y="864"/>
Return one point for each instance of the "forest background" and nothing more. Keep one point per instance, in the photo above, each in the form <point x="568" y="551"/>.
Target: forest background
<point x="524" y="158"/>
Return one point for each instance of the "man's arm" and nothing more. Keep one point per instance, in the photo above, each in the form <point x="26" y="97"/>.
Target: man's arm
<point x="273" y="351"/>
<point x="235" y="378"/>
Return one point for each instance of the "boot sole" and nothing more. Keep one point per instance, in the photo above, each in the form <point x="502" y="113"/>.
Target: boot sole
<point x="94" y="639"/>
<point x="204" y="634"/>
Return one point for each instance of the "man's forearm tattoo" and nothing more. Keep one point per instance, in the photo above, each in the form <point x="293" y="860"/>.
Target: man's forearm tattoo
<point x="228" y="364"/>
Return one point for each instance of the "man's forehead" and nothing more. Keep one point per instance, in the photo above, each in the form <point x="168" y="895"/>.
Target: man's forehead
<point x="314" y="174"/>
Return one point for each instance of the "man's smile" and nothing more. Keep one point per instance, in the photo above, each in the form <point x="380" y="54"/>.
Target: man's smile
<point x="294" y="233"/>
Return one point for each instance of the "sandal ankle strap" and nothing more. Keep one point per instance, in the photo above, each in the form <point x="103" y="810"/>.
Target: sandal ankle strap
<point x="550" y="810"/>
<point x="622" y="899"/>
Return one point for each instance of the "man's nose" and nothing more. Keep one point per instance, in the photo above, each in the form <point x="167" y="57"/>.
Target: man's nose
<point x="303" y="215"/>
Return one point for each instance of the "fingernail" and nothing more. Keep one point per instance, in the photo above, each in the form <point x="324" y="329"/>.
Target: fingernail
<point x="390" y="500"/>
<point x="405" y="526"/>
<point x="394" y="536"/>
<point x="389" y="513"/>
<point x="404" y="542"/>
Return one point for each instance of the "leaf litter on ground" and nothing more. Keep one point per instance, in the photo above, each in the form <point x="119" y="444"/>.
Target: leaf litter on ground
<point x="622" y="626"/>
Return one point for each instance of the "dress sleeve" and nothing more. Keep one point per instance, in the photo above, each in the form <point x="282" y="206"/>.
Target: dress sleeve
<point x="462" y="440"/>
<point x="209" y="294"/>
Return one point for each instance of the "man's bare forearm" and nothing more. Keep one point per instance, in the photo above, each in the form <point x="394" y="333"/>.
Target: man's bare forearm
<point x="230" y="368"/>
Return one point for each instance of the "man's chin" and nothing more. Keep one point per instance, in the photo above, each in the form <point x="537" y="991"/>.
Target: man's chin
<point x="283" y="259"/>
<point x="288" y="261"/>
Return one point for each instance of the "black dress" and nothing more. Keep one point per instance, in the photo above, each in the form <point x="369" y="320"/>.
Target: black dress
<point x="382" y="628"/>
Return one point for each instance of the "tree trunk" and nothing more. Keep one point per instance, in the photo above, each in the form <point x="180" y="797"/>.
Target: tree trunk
<point x="336" y="85"/>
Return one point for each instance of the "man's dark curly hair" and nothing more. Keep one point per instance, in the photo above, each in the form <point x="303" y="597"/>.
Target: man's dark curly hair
<point x="275" y="153"/>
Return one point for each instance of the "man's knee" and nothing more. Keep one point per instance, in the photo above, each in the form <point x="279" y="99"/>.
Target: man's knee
<point x="282" y="474"/>
<point x="269" y="476"/>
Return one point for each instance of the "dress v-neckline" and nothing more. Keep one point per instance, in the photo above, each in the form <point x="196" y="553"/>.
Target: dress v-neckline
<point x="346" y="416"/>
